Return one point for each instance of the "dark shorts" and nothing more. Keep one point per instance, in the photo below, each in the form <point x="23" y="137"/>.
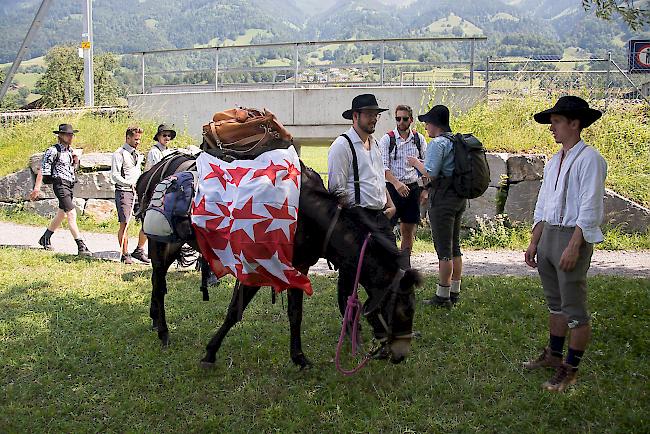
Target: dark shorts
<point x="63" y="192"/>
<point x="445" y="213"/>
<point x="124" y="204"/>
<point x="565" y="292"/>
<point x="408" y="208"/>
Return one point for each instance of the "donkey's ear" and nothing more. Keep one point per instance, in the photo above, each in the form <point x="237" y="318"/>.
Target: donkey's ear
<point x="412" y="277"/>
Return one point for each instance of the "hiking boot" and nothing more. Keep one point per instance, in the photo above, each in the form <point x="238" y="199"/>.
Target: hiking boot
<point x="44" y="241"/>
<point x="454" y="297"/>
<point x="545" y="360"/>
<point x="140" y="255"/>
<point x="126" y="259"/>
<point x="565" y="376"/>
<point x="438" y="301"/>
<point x="82" y="249"/>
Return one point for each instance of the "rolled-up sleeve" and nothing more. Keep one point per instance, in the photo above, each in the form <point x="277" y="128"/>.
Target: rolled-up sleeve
<point x="338" y="165"/>
<point x="592" y="191"/>
<point x="434" y="156"/>
<point x="384" y="147"/>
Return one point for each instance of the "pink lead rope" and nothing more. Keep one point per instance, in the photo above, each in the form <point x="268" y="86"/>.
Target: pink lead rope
<point x="353" y="303"/>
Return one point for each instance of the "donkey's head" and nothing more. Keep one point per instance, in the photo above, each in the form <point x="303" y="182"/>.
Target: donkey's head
<point x="339" y="232"/>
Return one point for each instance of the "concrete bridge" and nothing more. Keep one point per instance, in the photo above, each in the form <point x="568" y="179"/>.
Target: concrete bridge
<point x="313" y="115"/>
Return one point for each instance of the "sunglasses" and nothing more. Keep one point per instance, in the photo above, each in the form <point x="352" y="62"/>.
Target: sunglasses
<point x="402" y="118"/>
<point x="166" y="135"/>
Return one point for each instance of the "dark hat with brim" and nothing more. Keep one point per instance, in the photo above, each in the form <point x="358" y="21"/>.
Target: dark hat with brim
<point x="65" y="129"/>
<point x="571" y="106"/>
<point x="165" y="127"/>
<point x="438" y="116"/>
<point x="366" y="101"/>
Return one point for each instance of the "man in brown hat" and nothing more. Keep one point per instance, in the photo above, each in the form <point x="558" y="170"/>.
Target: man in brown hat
<point x="355" y="166"/>
<point x="58" y="166"/>
<point x="164" y="135"/>
<point x="447" y="208"/>
<point x="568" y="215"/>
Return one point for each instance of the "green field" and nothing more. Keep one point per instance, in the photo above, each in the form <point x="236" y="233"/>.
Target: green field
<point x="78" y="356"/>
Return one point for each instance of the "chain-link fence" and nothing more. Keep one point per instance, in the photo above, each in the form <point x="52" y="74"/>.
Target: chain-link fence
<point x="599" y="80"/>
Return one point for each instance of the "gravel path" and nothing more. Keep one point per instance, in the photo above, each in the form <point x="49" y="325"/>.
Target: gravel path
<point x="476" y="262"/>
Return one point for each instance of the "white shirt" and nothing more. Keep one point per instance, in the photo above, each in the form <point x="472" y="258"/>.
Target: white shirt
<point x="340" y="173"/>
<point x="155" y="154"/>
<point x="585" y="190"/>
<point x="125" y="167"/>
<point x="396" y="161"/>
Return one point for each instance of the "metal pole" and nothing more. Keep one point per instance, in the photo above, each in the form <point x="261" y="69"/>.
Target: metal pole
<point x="487" y="77"/>
<point x="381" y="75"/>
<point x="295" y="78"/>
<point x="87" y="46"/>
<point x="471" y="64"/>
<point x="36" y="24"/>
<point x="142" y="70"/>
<point x="631" y="82"/>
<point x="607" y="79"/>
<point x="216" y="70"/>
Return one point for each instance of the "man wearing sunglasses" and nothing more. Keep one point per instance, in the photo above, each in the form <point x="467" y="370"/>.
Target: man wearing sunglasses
<point x="164" y="135"/>
<point x="403" y="181"/>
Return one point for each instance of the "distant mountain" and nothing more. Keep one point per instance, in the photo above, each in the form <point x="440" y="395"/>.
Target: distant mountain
<point x="512" y="26"/>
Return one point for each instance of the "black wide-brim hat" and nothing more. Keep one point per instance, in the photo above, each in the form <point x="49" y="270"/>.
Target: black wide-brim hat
<point x="65" y="129"/>
<point x="572" y="106"/>
<point x="165" y="127"/>
<point x="366" y="101"/>
<point x="438" y="115"/>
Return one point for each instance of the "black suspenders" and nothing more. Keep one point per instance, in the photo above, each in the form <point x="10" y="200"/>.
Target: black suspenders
<point x="355" y="168"/>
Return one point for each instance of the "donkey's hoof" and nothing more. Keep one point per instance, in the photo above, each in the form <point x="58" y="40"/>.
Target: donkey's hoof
<point x="207" y="365"/>
<point x="302" y="362"/>
<point x="164" y="340"/>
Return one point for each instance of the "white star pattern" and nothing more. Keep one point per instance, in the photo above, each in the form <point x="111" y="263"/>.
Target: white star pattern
<point x="247" y="267"/>
<point x="274" y="266"/>
<point x="227" y="258"/>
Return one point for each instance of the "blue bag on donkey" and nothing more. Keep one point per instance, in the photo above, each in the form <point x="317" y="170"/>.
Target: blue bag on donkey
<point x="168" y="216"/>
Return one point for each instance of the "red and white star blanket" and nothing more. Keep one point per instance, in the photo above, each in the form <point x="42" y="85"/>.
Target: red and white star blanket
<point x="245" y="216"/>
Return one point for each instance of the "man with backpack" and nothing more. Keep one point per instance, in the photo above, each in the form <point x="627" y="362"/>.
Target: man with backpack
<point x="126" y="168"/>
<point x="403" y="182"/>
<point x="355" y="167"/>
<point x="58" y="169"/>
<point x="568" y="215"/>
<point x="447" y="206"/>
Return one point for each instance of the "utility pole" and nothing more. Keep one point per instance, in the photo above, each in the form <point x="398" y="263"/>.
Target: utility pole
<point x="87" y="47"/>
<point x="36" y="24"/>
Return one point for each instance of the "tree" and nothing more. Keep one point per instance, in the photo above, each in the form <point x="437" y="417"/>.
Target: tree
<point x="62" y="83"/>
<point x="635" y="17"/>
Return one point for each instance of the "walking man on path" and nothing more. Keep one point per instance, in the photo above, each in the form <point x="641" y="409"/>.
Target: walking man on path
<point x="164" y="135"/>
<point x="447" y="208"/>
<point x="403" y="181"/>
<point x="126" y="166"/>
<point x="568" y="215"/>
<point x="59" y="164"/>
<point x="354" y="165"/>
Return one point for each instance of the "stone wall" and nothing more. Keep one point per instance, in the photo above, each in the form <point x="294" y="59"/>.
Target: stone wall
<point x="515" y="180"/>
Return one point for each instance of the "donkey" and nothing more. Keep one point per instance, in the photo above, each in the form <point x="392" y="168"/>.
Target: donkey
<point x="327" y="228"/>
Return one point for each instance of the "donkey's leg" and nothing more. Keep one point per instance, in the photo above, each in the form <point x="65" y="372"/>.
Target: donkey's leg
<point x="232" y="317"/>
<point x="163" y="255"/>
<point x="294" y="311"/>
<point x="205" y="274"/>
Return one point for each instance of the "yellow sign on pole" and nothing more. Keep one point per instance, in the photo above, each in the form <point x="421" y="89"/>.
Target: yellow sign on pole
<point x="85" y="45"/>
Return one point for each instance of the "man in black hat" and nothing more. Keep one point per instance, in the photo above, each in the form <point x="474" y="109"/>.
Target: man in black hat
<point x="59" y="164"/>
<point x="446" y="207"/>
<point x="568" y="215"/>
<point x="164" y="135"/>
<point x="355" y="166"/>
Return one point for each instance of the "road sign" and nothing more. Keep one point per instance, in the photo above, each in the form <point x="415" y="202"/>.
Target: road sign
<point x="639" y="56"/>
<point x="85" y="45"/>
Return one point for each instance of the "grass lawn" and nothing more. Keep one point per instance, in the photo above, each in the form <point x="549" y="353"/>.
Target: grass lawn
<point x="77" y="356"/>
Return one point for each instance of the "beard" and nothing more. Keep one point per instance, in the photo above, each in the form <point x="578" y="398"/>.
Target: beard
<point x="367" y="128"/>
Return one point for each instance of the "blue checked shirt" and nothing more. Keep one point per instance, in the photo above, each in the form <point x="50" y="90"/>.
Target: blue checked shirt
<point x="396" y="161"/>
<point x="64" y="167"/>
